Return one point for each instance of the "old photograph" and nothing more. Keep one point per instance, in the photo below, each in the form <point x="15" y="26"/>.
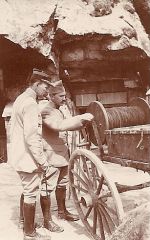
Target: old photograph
<point x="74" y="119"/>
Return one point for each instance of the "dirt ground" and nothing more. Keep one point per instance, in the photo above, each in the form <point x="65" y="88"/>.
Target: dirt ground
<point x="10" y="190"/>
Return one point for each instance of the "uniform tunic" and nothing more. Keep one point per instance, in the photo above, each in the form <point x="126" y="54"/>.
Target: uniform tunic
<point x="55" y="139"/>
<point x="26" y="149"/>
<point x="55" y="145"/>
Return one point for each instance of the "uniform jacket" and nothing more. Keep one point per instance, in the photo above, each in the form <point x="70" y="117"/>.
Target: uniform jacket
<point x="26" y="149"/>
<point x="54" y="134"/>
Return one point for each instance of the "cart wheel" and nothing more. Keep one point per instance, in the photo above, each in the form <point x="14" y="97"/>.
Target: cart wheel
<point x="95" y="194"/>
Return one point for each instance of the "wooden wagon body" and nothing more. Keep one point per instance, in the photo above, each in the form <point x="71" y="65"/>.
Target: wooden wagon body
<point x="125" y="141"/>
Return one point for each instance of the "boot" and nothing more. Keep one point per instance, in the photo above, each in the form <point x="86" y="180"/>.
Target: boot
<point x="48" y="223"/>
<point x="29" y="215"/>
<point x="29" y="227"/>
<point x="21" y="217"/>
<point x="63" y="213"/>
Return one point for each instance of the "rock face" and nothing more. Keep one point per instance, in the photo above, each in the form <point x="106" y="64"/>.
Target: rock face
<point x="31" y="23"/>
<point x="119" y="20"/>
<point x="24" y="23"/>
<point x="135" y="226"/>
<point x="101" y="43"/>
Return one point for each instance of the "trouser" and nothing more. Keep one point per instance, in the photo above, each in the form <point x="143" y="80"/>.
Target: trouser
<point x="57" y="177"/>
<point x="30" y="183"/>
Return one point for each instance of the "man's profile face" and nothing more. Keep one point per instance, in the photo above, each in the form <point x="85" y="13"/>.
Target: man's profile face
<point x="42" y="90"/>
<point x="59" y="98"/>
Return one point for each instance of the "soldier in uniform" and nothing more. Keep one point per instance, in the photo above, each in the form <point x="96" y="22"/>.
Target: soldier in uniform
<point x="27" y="156"/>
<point x="56" y="149"/>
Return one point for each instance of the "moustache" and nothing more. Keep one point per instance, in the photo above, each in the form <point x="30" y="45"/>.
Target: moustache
<point x="47" y="97"/>
<point x="63" y="101"/>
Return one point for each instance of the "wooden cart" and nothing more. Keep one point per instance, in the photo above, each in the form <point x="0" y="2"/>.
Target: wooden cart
<point x="122" y="135"/>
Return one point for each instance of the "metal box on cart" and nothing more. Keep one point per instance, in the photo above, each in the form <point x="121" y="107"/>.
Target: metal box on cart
<point x="129" y="143"/>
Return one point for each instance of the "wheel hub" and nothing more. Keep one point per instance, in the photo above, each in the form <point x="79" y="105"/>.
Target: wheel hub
<point x="88" y="200"/>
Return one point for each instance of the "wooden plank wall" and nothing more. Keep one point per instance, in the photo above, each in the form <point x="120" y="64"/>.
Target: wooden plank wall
<point x="111" y="77"/>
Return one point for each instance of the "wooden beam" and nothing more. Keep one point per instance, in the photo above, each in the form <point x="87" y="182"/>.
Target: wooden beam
<point x="128" y="163"/>
<point x="124" y="188"/>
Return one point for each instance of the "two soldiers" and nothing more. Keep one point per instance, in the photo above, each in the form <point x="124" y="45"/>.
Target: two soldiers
<point x="30" y="159"/>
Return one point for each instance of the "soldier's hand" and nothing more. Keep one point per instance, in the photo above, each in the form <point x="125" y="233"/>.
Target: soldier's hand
<point x="44" y="166"/>
<point x="88" y="117"/>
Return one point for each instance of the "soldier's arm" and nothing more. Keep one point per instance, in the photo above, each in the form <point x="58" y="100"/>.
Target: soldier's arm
<point x="31" y="133"/>
<point x="69" y="124"/>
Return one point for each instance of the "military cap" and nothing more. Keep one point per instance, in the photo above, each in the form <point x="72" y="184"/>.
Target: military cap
<point x="40" y="75"/>
<point x="57" y="87"/>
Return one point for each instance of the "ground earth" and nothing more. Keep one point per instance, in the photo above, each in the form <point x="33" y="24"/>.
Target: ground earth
<point x="10" y="190"/>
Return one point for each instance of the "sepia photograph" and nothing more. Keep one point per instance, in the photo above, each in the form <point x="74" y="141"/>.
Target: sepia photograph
<point x="75" y="119"/>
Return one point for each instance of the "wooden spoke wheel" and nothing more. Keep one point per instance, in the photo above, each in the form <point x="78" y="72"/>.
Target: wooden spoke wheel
<point x="95" y="194"/>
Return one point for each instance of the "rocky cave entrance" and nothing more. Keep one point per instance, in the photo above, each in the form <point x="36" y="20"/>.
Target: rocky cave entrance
<point x="15" y="65"/>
